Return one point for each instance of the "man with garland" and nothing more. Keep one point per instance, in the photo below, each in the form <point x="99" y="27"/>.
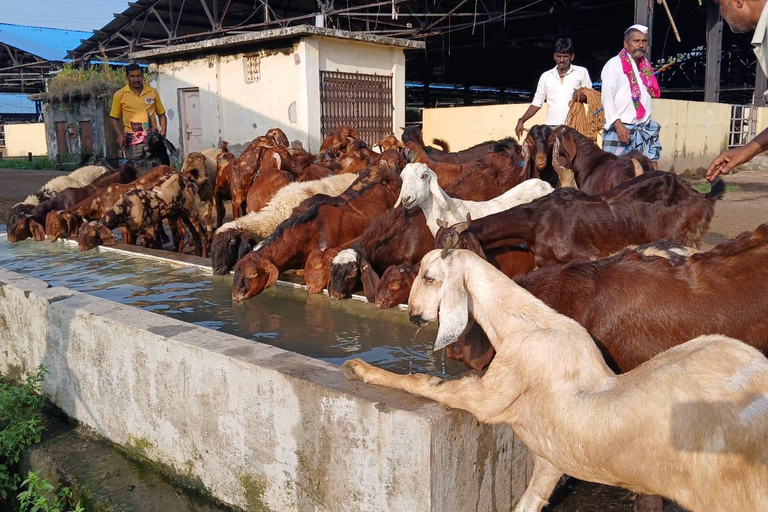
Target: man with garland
<point x="628" y="86"/>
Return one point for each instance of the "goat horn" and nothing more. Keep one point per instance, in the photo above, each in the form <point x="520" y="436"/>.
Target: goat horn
<point x="637" y="166"/>
<point x="450" y="242"/>
<point x="461" y="227"/>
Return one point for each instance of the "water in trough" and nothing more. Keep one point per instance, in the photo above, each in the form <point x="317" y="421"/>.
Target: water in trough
<point x="283" y="316"/>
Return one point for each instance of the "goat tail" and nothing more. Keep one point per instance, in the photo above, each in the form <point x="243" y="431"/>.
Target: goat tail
<point x="717" y="190"/>
<point x="443" y="144"/>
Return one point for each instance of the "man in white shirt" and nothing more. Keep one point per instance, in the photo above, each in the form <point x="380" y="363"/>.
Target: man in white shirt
<point x="743" y="16"/>
<point x="628" y="86"/>
<point x="557" y="86"/>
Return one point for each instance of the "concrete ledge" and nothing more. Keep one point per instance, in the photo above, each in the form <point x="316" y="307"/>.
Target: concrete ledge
<point x="256" y="426"/>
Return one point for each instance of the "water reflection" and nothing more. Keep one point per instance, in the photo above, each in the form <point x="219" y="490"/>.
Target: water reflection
<point x="285" y="317"/>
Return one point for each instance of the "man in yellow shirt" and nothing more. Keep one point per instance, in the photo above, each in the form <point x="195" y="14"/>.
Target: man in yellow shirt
<point x="137" y="104"/>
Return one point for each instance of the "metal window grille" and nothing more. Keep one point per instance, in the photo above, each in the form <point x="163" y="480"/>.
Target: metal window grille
<point x="743" y="125"/>
<point x="362" y="102"/>
<point x="2" y="136"/>
<point x="252" y="68"/>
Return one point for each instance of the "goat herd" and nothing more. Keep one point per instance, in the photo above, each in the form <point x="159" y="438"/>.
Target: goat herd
<point x="578" y="264"/>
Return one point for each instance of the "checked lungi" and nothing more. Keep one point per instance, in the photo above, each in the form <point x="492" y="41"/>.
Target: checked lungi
<point x="643" y="137"/>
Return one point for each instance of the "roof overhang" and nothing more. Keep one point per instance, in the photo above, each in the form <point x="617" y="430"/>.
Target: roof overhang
<point x="271" y="35"/>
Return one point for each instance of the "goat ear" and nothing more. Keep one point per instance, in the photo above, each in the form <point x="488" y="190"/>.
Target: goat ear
<point x="569" y="148"/>
<point x="272" y="271"/>
<point x="441" y="223"/>
<point x="38" y="231"/>
<point x="440" y="196"/>
<point x="73" y="226"/>
<point x="370" y="280"/>
<point x="170" y="147"/>
<point x="453" y="309"/>
<point x="106" y="235"/>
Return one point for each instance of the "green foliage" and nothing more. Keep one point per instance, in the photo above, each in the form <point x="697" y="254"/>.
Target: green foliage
<point x="100" y="81"/>
<point x="37" y="164"/>
<point x="39" y="496"/>
<point x="20" y="425"/>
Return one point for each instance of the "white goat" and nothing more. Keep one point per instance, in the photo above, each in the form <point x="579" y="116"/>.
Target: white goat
<point x="77" y="178"/>
<point x="279" y="208"/>
<point x="420" y="188"/>
<point x="690" y="424"/>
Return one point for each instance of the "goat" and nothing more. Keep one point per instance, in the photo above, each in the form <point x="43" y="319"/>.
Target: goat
<point x="595" y="171"/>
<point x="222" y="190"/>
<point x="229" y="238"/>
<point x="25" y="226"/>
<point x="395" y="285"/>
<point x="569" y="224"/>
<point x="77" y="178"/>
<point x="321" y="226"/>
<point x="398" y="238"/>
<point x="338" y="140"/>
<point x="389" y="142"/>
<point x="420" y="188"/>
<point x="690" y="423"/>
<point x="204" y="167"/>
<point x="67" y="222"/>
<point x="686" y="294"/>
<point x="142" y="212"/>
<point x="537" y="154"/>
<point x="274" y="174"/>
<point x="412" y="139"/>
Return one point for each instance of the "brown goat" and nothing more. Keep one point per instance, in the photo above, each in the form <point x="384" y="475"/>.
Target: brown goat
<point x="568" y="224"/>
<point x="412" y="135"/>
<point x="537" y="154"/>
<point x="67" y="222"/>
<point x="395" y="285"/>
<point x="274" y="174"/>
<point x="322" y="225"/>
<point x="389" y="142"/>
<point x="222" y="189"/>
<point x="595" y="171"/>
<point x="339" y="139"/>
<point x="142" y="212"/>
<point x="24" y="226"/>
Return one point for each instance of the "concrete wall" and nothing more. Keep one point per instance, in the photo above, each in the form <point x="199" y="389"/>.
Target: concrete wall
<point x="692" y="133"/>
<point x="72" y="113"/>
<point x="258" y="427"/>
<point x="21" y="139"/>
<point x="287" y="94"/>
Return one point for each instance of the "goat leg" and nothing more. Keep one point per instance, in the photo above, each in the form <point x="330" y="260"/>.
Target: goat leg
<point x="543" y="481"/>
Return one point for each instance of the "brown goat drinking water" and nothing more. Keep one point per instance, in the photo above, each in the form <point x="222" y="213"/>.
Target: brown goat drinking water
<point x="568" y="224"/>
<point x="323" y="225"/>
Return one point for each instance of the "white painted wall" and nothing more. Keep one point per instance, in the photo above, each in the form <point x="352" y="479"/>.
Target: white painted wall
<point x="287" y="94"/>
<point x="21" y="139"/>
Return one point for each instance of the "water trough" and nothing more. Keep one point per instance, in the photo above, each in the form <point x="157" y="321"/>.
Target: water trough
<point x="253" y="424"/>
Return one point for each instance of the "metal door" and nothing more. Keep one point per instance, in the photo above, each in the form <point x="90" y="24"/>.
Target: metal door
<point x="362" y="102"/>
<point x="192" y="129"/>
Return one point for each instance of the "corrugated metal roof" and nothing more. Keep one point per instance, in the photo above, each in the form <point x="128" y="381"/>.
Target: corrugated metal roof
<point x="47" y="43"/>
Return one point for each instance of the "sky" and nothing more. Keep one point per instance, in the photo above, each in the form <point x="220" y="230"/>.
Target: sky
<point x="69" y="14"/>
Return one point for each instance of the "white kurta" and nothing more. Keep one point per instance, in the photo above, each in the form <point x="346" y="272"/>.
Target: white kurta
<point x="617" y="96"/>
<point x="558" y="94"/>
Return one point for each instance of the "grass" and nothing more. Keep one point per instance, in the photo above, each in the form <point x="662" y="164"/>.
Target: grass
<point x="37" y="164"/>
<point x="702" y="187"/>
